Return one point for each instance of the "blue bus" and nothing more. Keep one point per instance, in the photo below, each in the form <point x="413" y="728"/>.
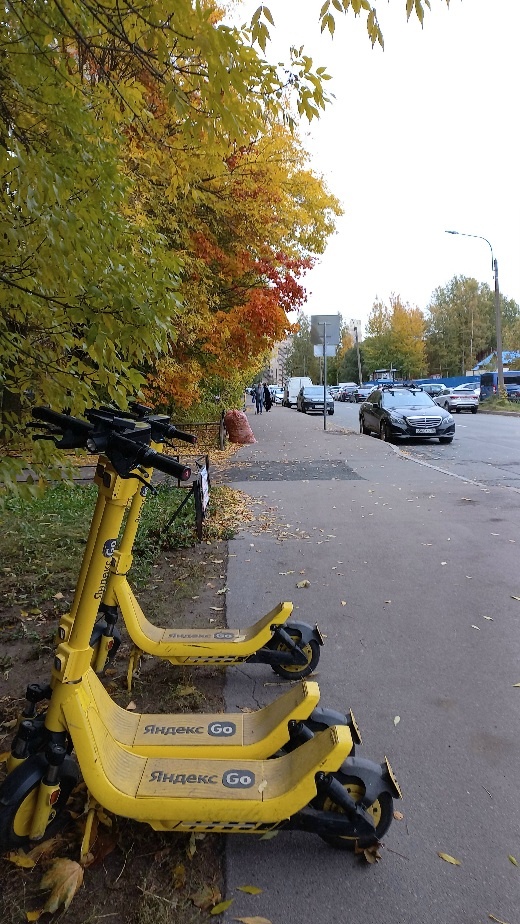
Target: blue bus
<point x="489" y="382"/>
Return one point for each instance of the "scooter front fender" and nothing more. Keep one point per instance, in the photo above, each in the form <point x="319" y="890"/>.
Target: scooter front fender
<point x="376" y="779"/>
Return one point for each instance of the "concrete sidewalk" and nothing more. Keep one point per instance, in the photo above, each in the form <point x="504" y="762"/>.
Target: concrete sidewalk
<point x="389" y="548"/>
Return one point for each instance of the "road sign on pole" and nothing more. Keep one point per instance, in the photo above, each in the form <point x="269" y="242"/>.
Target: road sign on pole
<point x="325" y="325"/>
<point x="325" y="332"/>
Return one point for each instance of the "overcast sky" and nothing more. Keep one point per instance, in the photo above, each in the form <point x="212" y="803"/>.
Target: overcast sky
<point x="422" y="137"/>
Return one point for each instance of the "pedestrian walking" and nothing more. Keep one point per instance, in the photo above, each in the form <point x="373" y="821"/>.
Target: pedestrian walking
<point x="268" y="399"/>
<point x="259" y="398"/>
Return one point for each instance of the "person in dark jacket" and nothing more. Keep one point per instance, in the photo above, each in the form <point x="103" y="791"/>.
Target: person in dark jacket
<point x="259" y="398"/>
<point x="268" y="401"/>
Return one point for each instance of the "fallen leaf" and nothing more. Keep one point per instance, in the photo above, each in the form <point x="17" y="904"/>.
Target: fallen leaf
<point x="217" y="609"/>
<point x="58" y="596"/>
<point x="498" y="920"/>
<point x="303" y="584"/>
<point x="191" y="849"/>
<point x="223" y="906"/>
<point x="19" y="858"/>
<point x="223" y="591"/>
<point x="45" y="848"/>
<point x="397" y="719"/>
<point x="513" y="860"/>
<point x="343" y="602"/>
<point x="206" y="898"/>
<point x="253" y="920"/>
<point x="372" y="854"/>
<point x="251" y="890"/>
<point x="514" y="598"/>
<point x="475" y="627"/>
<point x="64" y="878"/>
<point x="179" y="876"/>
<point x="33" y="915"/>
<point x="284" y="573"/>
<point x="131" y="706"/>
<point x="489" y="617"/>
<point x="268" y="836"/>
<point x="448" y="859"/>
<point x="398" y="816"/>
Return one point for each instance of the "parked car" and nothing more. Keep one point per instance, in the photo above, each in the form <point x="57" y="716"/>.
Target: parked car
<point x="277" y="394"/>
<point x="401" y="413"/>
<point x="292" y="387"/>
<point x="348" y="392"/>
<point x="462" y="398"/>
<point x="513" y="392"/>
<point x="362" y="392"/>
<point x="310" y="400"/>
<point x="434" y="389"/>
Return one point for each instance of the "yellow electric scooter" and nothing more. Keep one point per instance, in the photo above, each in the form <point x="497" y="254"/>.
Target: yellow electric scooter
<point x="292" y="649"/>
<point x="316" y="787"/>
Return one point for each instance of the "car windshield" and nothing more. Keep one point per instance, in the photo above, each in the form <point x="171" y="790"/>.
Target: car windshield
<point x="407" y="399"/>
<point x="316" y="391"/>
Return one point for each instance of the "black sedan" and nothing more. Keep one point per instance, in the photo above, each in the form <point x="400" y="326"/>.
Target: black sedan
<point x="403" y="413"/>
<point x="310" y="400"/>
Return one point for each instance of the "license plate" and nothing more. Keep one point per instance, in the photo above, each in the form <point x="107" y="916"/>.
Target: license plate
<point x="425" y="430"/>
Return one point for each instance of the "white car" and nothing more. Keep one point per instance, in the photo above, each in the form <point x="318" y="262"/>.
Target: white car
<point x="462" y="398"/>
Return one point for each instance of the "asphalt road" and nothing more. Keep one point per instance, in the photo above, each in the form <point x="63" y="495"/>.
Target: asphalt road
<point x="413" y="576"/>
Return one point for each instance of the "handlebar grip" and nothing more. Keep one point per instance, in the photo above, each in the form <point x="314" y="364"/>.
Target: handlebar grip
<point x="73" y="431"/>
<point x="139" y="454"/>
<point x="172" y="433"/>
<point x="61" y="420"/>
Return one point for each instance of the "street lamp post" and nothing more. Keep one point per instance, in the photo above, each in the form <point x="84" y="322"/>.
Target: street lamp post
<point x="358" y="357"/>
<point x="498" y="318"/>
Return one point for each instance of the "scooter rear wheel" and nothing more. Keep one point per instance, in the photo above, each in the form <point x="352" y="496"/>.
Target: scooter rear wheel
<point x="381" y="811"/>
<point x="311" y="650"/>
<point x="18" y="800"/>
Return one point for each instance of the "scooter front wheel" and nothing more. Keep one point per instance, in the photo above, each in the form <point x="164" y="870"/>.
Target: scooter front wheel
<point x="18" y="796"/>
<point x="381" y="810"/>
<point x="310" y="649"/>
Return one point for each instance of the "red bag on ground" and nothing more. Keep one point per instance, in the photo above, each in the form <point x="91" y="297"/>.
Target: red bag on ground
<point x="238" y="429"/>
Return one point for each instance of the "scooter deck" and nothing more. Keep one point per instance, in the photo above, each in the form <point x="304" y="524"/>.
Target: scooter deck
<point x="256" y="734"/>
<point x="195" y="646"/>
<point x="203" y="794"/>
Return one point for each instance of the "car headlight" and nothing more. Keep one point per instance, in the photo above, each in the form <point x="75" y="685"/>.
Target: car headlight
<point x="397" y="419"/>
<point x="448" y="419"/>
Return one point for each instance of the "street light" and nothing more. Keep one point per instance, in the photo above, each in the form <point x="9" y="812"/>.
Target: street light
<point x="498" y="319"/>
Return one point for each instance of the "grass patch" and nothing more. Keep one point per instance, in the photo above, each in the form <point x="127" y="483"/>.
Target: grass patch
<point x="42" y="540"/>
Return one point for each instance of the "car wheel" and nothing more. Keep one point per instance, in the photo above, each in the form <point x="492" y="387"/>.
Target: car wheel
<point x="384" y="432"/>
<point x="362" y="428"/>
<point x="330" y="413"/>
<point x="445" y="439"/>
<point x="474" y="410"/>
<point x="457" y="410"/>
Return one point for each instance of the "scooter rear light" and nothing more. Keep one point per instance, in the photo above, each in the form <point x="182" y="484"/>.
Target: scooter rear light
<point x="54" y="796"/>
<point x="110" y="644"/>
